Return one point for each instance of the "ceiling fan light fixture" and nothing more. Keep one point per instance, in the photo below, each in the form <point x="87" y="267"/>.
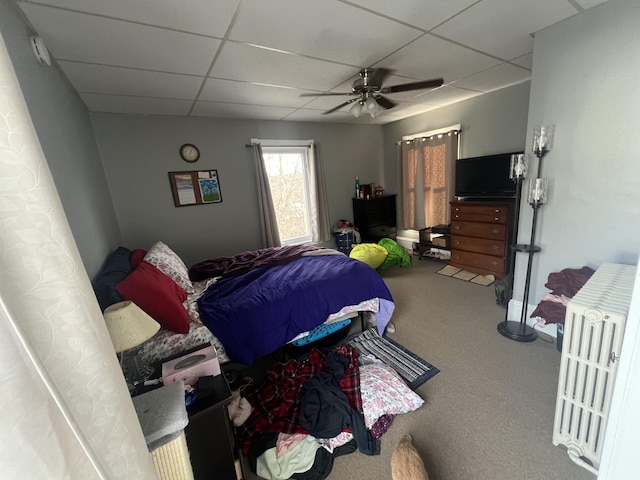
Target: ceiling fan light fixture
<point x="371" y="104"/>
<point x="356" y="109"/>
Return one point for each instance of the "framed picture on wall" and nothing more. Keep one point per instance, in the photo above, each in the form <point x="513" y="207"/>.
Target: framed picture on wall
<point x="196" y="187"/>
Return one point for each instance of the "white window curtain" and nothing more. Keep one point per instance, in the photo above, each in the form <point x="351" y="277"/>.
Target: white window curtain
<point x="316" y="185"/>
<point x="66" y="409"/>
<point x="427" y="167"/>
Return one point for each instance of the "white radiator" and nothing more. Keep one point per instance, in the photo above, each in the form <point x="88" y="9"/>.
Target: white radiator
<point x="593" y="330"/>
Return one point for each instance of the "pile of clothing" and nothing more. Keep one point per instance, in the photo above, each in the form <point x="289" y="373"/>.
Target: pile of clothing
<point x="307" y="412"/>
<point x="563" y="285"/>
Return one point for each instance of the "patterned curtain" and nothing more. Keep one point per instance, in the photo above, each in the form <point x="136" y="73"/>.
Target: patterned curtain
<point x="66" y="409"/>
<point x="427" y="168"/>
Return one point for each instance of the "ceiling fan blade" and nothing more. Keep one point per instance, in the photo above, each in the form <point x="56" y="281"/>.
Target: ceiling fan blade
<point x="379" y="74"/>
<point x="404" y="87"/>
<point x="329" y="94"/>
<point x="385" y="102"/>
<point x="341" y="105"/>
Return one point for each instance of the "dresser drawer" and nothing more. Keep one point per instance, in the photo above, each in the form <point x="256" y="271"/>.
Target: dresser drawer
<point x="477" y="261"/>
<point x="487" y="246"/>
<point x="500" y="218"/>
<point x="480" y="230"/>
<point x="479" y="208"/>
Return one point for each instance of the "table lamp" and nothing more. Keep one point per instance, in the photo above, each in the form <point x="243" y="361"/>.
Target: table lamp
<point x="129" y="326"/>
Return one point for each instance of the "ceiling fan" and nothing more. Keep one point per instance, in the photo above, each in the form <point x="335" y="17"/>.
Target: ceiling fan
<point x="368" y="91"/>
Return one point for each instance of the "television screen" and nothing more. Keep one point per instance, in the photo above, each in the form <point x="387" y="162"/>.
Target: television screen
<point x="484" y="177"/>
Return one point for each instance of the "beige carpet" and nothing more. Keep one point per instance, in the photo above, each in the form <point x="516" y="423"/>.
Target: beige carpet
<point x="460" y="274"/>
<point x="488" y="414"/>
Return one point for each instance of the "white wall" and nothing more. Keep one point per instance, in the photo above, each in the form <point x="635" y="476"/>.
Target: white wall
<point x="585" y="80"/>
<point x="62" y="123"/>
<point x="139" y="151"/>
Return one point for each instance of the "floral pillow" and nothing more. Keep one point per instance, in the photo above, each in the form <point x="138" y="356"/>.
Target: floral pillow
<point x="385" y="393"/>
<point x="169" y="263"/>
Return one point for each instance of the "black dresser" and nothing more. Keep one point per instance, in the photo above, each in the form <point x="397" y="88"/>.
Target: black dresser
<point x="375" y="218"/>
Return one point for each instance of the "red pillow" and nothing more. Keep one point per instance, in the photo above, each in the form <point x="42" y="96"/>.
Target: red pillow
<point x="136" y="257"/>
<point x="158" y="295"/>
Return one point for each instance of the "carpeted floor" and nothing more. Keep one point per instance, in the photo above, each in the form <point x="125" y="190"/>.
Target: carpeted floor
<point x="488" y="414"/>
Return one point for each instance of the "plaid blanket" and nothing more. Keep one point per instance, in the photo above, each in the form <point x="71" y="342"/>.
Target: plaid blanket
<point x="276" y="402"/>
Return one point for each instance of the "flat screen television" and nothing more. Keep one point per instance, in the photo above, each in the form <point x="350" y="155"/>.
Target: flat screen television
<point x="484" y="177"/>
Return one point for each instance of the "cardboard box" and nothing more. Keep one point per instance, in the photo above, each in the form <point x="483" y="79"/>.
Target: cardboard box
<point x="441" y="241"/>
<point x="191" y="367"/>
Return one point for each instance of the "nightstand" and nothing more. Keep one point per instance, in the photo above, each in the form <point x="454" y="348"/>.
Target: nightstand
<point x="210" y="435"/>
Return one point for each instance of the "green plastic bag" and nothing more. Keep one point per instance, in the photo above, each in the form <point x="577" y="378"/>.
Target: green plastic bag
<point x="397" y="254"/>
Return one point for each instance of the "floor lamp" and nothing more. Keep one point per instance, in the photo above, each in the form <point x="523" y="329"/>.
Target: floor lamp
<point x="537" y="196"/>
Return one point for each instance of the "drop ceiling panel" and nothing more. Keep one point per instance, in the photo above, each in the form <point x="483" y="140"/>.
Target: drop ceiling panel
<point x="407" y="109"/>
<point x="234" y="110"/>
<point x="424" y="14"/>
<point x="87" y="38"/>
<point x="446" y="95"/>
<point x="328" y="30"/>
<point x="138" y="57"/>
<point x="494" y="78"/>
<point x="89" y="78"/>
<point x="511" y="24"/>
<point x="232" y="91"/>
<point x="304" y="115"/>
<point x="252" y="64"/>
<point x="525" y="61"/>
<point x="431" y="57"/>
<point x="589" y="3"/>
<point x="326" y="103"/>
<point x="135" y="105"/>
<point x="200" y="16"/>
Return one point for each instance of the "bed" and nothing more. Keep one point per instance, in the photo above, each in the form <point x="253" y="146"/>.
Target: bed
<point x="248" y="305"/>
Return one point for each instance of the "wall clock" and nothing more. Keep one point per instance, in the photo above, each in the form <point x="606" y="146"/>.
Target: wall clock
<point x="189" y="153"/>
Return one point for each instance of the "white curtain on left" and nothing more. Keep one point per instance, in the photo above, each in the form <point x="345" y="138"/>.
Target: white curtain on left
<point x="65" y="408"/>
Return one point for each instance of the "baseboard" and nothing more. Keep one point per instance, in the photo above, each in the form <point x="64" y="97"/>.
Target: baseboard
<point x="406" y="242"/>
<point x="515" y="310"/>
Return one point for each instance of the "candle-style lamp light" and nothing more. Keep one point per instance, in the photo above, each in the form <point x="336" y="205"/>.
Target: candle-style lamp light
<point x="537" y="196"/>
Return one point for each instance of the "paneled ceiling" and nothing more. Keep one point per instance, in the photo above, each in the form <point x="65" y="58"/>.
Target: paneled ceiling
<point x="252" y="59"/>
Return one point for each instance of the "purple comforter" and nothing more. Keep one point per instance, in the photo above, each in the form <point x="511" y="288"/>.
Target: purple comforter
<point x="256" y="313"/>
<point x="245" y="261"/>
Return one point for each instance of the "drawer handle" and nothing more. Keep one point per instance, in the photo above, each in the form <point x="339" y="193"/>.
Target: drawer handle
<point x="457" y="227"/>
<point x="457" y="257"/>
<point x="495" y="247"/>
<point x="495" y="264"/>
<point x="457" y="242"/>
<point x="495" y="230"/>
<point x="457" y="216"/>
<point x="496" y="219"/>
<point x="457" y="209"/>
<point x="497" y="210"/>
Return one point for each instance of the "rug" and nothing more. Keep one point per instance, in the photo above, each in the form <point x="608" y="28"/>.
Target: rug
<point x="414" y="370"/>
<point x="460" y="274"/>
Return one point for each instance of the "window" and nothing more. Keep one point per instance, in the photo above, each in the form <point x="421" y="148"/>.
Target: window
<point x="290" y="182"/>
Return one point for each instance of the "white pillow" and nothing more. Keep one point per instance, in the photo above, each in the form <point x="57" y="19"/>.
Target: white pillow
<point x="384" y="393"/>
<point x="169" y="263"/>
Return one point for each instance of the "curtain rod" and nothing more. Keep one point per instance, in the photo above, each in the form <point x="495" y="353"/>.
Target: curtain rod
<point x="457" y="131"/>
<point x="249" y="145"/>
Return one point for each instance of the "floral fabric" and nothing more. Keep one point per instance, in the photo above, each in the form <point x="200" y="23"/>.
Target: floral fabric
<point x="384" y="393"/>
<point x="169" y="263"/>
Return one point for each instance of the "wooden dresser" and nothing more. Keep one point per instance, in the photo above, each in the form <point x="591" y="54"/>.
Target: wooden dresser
<point x="480" y="236"/>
